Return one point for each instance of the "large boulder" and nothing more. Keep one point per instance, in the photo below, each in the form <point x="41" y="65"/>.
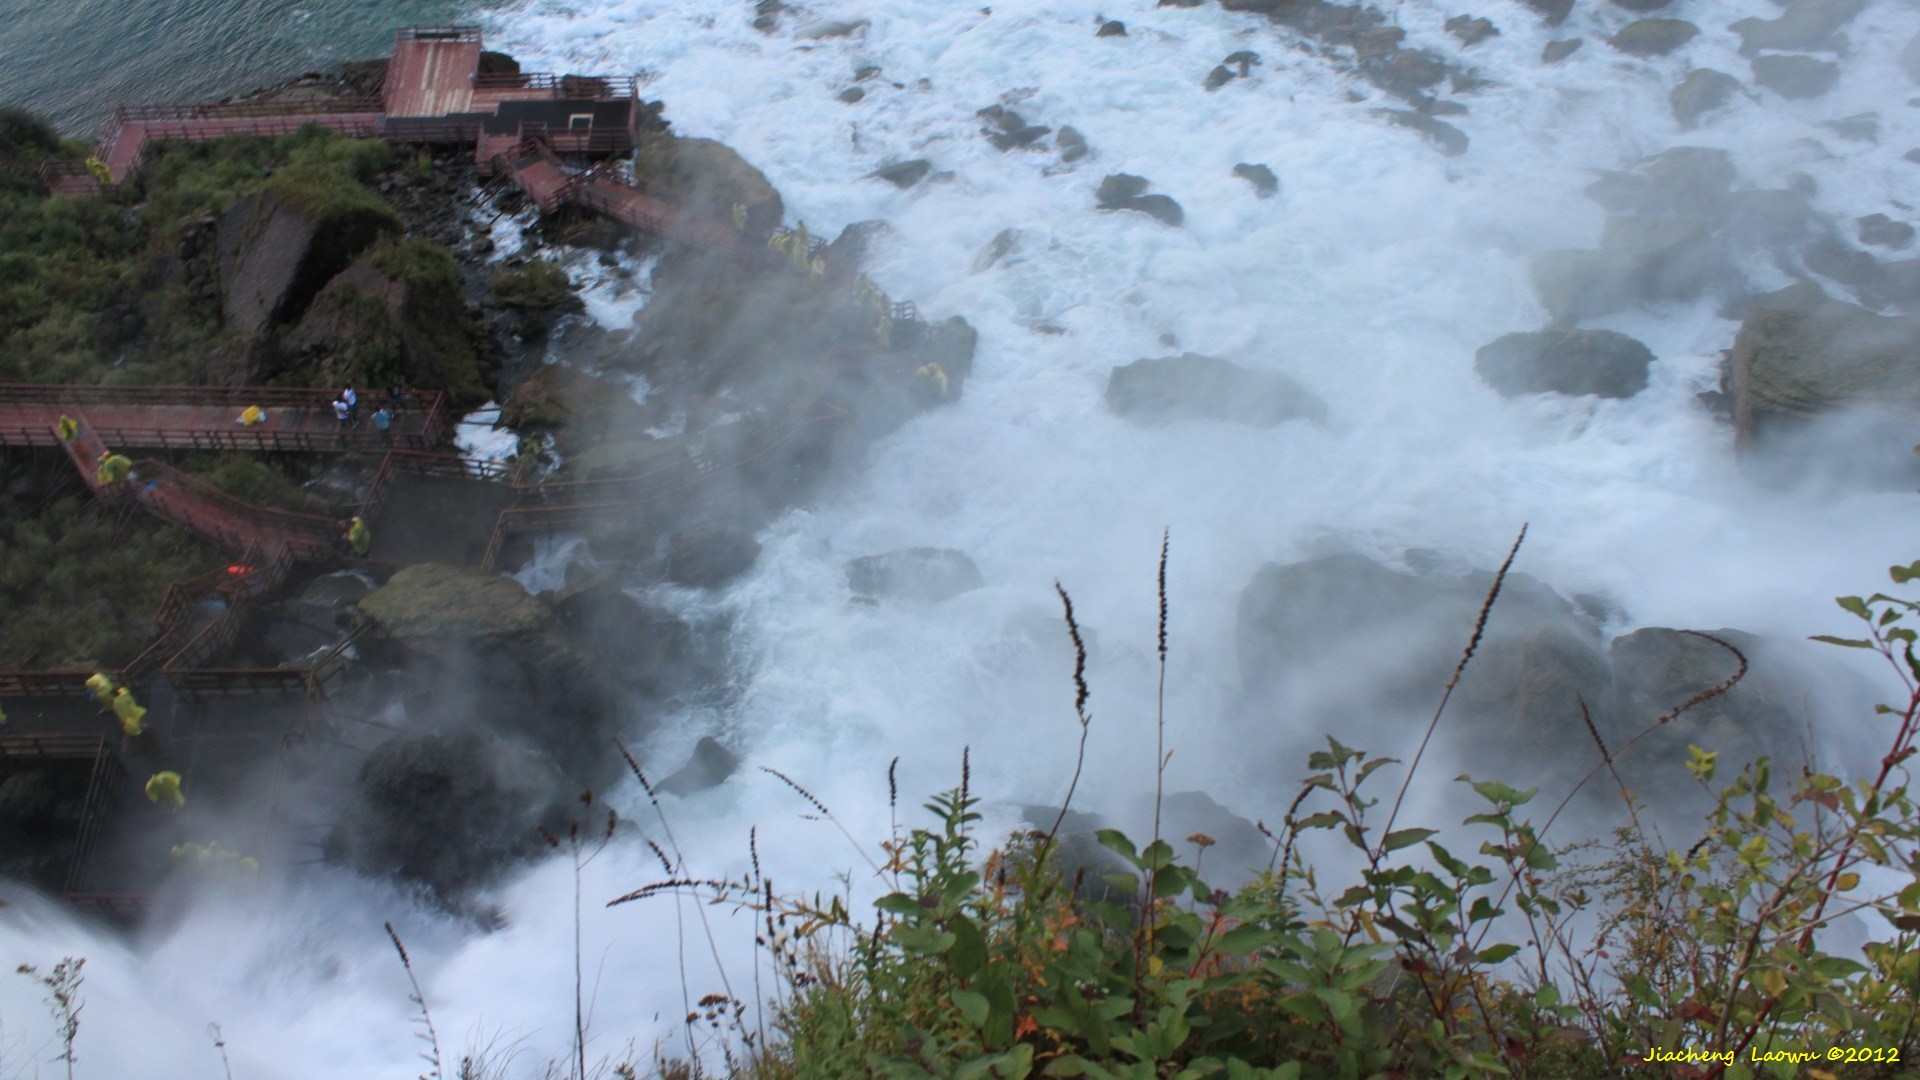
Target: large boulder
<point x="1686" y="181"/>
<point x="397" y="312"/>
<point x="1195" y="387"/>
<point x="1796" y="76"/>
<point x="646" y="649"/>
<point x="277" y="250"/>
<point x="922" y="575"/>
<point x="709" y="555"/>
<point x="1366" y="650"/>
<point x="583" y="409"/>
<point x="1790" y="370"/>
<point x="1701" y="92"/>
<point x="710" y="178"/>
<point x="1805" y="25"/>
<point x="1451" y="140"/>
<point x="709" y="767"/>
<point x="1121" y="191"/>
<point x="1653" y="37"/>
<point x="488" y="656"/>
<point x="1601" y="362"/>
<point x="447" y="813"/>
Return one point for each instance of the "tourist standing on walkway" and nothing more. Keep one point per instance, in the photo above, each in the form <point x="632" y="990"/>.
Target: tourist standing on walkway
<point x="397" y="397"/>
<point x="353" y="406"/>
<point x="342" y="414"/>
<point x="382" y="420"/>
<point x="359" y="537"/>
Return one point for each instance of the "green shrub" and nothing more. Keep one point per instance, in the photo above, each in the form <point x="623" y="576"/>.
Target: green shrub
<point x="1494" y="953"/>
<point x="536" y="285"/>
<point x="246" y="477"/>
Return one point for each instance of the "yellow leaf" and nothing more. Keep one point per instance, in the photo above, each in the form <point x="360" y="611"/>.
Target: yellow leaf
<point x="1847" y="881"/>
<point x="1773" y="980"/>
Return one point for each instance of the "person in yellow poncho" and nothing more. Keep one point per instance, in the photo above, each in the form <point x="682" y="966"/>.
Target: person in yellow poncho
<point x="251" y="415"/>
<point x="100" y="172"/>
<point x="113" y="469"/>
<point x="102" y="686"/>
<point x="936" y="373"/>
<point x="68" y="428"/>
<point x="164" y="787"/>
<point x="359" y="537"/>
<point x="130" y="712"/>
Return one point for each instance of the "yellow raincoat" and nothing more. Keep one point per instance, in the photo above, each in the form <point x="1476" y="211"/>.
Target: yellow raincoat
<point x="164" y="787"/>
<point x="113" y="469"/>
<point x="130" y="712"/>
<point x="68" y="428"/>
<point x="102" y="686"/>
<point x="360" y="537"/>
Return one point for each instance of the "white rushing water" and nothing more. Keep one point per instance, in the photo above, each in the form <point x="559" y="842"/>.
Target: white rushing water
<point x="1371" y="277"/>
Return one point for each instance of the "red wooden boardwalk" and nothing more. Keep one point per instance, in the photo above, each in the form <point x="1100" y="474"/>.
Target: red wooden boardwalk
<point x="537" y="170"/>
<point x="432" y="72"/>
<point x="207" y="418"/>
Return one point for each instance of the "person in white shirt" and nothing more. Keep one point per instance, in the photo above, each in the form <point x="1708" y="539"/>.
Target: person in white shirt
<point x="342" y="413"/>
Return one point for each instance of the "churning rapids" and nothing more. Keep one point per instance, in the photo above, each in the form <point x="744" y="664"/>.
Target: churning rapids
<point x="1371" y="277"/>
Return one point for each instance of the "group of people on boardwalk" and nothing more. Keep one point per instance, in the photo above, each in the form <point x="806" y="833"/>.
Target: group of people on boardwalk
<point x="346" y="408"/>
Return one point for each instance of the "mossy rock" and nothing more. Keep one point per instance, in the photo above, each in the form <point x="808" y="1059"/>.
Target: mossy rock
<point x="584" y="409"/>
<point x="1653" y="37"/>
<point x="711" y="177"/>
<point x="432" y="604"/>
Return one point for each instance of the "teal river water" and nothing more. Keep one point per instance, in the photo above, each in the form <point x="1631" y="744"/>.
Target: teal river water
<point x="72" y="60"/>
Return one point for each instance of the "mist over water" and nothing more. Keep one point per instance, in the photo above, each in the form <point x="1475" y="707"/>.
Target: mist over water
<point x="1371" y="278"/>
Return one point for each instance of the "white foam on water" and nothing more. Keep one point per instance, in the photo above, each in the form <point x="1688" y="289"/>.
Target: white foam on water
<point x="1371" y="277"/>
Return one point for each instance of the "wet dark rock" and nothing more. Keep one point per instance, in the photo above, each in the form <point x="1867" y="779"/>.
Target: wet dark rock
<point x="1406" y="72"/>
<point x="1112" y="28"/>
<point x="852" y="95"/>
<point x="851" y="249"/>
<point x="1265" y="184"/>
<point x="1242" y="62"/>
<point x="1602" y="362"/>
<point x="1556" y="51"/>
<point x="837" y="28"/>
<point x="1451" y="140"/>
<point x="1912" y="155"/>
<point x="1195" y="387"/>
<point x="1004" y="243"/>
<point x="1910" y="59"/>
<point x="709" y="767"/>
<point x="1554" y="11"/>
<point x="1220" y="76"/>
<point x="922" y="575"/>
<point x="1121" y="191"/>
<point x="904" y="174"/>
<point x="1805" y="25"/>
<point x="645" y="648"/>
<point x="582" y="409"/>
<point x="1701" y="92"/>
<point x="865" y="72"/>
<point x="1796" y="76"/>
<point x="1653" y="37"/>
<point x="447" y="813"/>
<point x="1071" y="144"/>
<point x="1008" y="130"/>
<point x="1642" y="7"/>
<point x="1882" y="231"/>
<point x="1771" y="218"/>
<point x="1470" y="30"/>
<point x="710" y="555"/>
<point x="1380" y="41"/>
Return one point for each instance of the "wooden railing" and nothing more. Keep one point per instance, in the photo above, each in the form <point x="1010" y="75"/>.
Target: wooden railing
<point x="462" y="32"/>
<point x="226" y="110"/>
<point x="103" y="783"/>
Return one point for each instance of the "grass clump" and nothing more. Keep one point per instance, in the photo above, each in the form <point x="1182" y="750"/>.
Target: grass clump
<point x="247" y="478"/>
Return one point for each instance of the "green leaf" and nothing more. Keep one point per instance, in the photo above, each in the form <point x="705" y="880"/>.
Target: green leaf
<point x="969" y="950"/>
<point x="1400" y="838"/>
<point x="1496" y="953"/>
<point x="1849" y="643"/>
<point x="1854" y="605"/>
<point x="1158" y="854"/>
<point x="1065" y="1066"/>
<point x="899" y="904"/>
<point x="1324" y="820"/>
<point x="1903" y="574"/>
<point x="973" y="1006"/>
<point x="1116" y="841"/>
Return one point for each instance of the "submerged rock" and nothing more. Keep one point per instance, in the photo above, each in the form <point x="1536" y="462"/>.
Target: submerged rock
<point x="1451" y="140"/>
<point x="923" y="575"/>
<point x="1195" y="387"/>
<point x="1471" y="31"/>
<point x="1789" y="367"/>
<point x="1554" y="11"/>
<point x="1805" y="25"/>
<point x="1882" y="231"/>
<point x="1112" y="28"/>
<point x="1556" y="51"/>
<point x="1071" y="144"/>
<point x="1602" y="362"/>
